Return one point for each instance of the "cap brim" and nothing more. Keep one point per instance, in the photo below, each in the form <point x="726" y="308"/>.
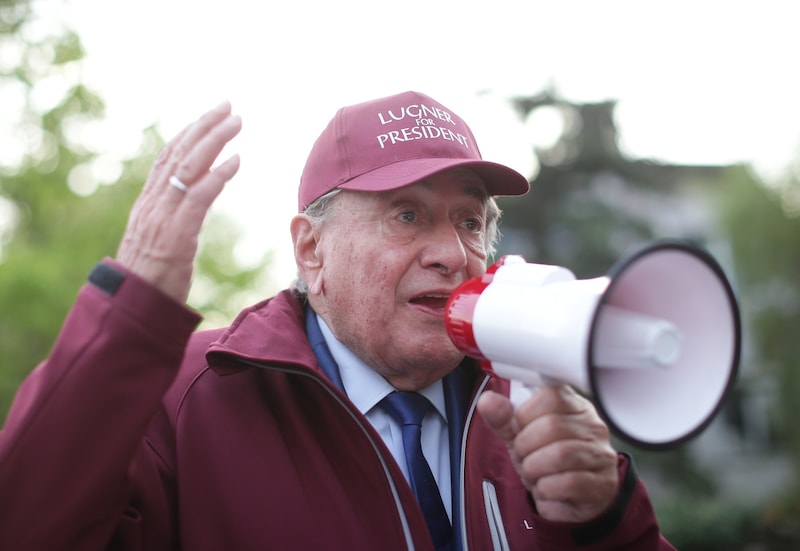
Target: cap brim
<point x="499" y="179"/>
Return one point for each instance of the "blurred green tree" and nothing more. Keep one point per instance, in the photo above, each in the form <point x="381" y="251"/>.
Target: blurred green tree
<point x="63" y="205"/>
<point x="764" y="224"/>
<point x="763" y="221"/>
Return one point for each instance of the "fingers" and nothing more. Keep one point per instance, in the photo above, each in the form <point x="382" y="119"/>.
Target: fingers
<point x="555" y="413"/>
<point x="211" y="132"/>
<point x="184" y="163"/>
<point x="569" y="454"/>
<point x="190" y="160"/>
<point x="574" y="496"/>
<point x="202" y="194"/>
<point x="174" y="154"/>
<point x="498" y="412"/>
<point x="173" y="151"/>
<point x="558" y="415"/>
<point x="162" y="235"/>
<point x="203" y="145"/>
<point x="561" y="450"/>
<point x="210" y="186"/>
<point x="553" y="399"/>
<point x="590" y="484"/>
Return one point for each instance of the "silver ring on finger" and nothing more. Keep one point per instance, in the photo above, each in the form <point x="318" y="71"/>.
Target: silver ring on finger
<point x="175" y="182"/>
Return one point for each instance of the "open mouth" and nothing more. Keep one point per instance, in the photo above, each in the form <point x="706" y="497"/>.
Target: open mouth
<point x="434" y="302"/>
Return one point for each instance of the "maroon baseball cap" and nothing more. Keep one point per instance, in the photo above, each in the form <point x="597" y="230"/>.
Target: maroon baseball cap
<point x="393" y="142"/>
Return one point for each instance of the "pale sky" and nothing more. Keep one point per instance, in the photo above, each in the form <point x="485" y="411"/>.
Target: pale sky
<point x="696" y="81"/>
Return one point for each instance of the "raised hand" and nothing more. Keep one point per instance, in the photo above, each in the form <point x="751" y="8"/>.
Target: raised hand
<point x="160" y="242"/>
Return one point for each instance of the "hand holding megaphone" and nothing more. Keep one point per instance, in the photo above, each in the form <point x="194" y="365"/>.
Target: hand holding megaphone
<point x="655" y="341"/>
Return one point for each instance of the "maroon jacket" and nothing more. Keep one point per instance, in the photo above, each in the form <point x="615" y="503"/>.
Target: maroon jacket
<point x="110" y="445"/>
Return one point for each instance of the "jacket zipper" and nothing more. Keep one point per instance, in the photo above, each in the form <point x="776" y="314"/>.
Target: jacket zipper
<point x="463" y="462"/>
<point x="398" y="504"/>
<point x="496" y="527"/>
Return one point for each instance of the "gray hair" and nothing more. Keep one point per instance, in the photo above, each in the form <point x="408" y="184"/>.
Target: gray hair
<point x="321" y="210"/>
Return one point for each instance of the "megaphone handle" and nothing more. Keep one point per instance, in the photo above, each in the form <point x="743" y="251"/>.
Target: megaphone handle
<point x="521" y="391"/>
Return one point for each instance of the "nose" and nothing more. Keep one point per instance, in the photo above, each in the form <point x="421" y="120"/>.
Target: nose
<point x="444" y="251"/>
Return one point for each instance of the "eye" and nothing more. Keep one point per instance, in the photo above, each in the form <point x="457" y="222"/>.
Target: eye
<point x="473" y="224"/>
<point x="407" y="216"/>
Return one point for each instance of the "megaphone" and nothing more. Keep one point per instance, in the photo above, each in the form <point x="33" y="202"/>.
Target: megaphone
<point x="655" y="342"/>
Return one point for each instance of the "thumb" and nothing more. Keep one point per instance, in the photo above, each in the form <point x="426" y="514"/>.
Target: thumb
<point x="498" y="412"/>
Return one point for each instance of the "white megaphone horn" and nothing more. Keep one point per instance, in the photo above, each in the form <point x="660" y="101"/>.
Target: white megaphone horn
<point x="655" y="342"/>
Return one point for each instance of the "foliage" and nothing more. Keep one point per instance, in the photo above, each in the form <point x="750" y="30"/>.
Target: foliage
<point x="781" y="519"/>
<point x="764" y="226"/>
<point x="706" y="525"/>
<point x="723" y="525"/>
<point x="13" y="14"/>
<point x="59" y="216"/>
<point x="765" y="236"/>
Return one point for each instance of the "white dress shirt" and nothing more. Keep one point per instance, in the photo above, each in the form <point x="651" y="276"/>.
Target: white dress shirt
<point x="366" y="388"/>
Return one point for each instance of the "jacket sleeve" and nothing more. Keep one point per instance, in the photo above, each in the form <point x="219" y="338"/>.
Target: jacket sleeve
<point x="629" y="524"/>
<point x="73" y="438"/>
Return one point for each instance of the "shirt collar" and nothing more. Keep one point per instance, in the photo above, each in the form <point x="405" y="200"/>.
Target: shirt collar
<point x="366" y="387"/>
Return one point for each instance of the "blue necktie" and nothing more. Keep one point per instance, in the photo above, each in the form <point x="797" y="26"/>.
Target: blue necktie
<point x="408" y="409"/>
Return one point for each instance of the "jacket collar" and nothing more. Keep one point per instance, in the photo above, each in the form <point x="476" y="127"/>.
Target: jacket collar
<point x="270" y="332"/>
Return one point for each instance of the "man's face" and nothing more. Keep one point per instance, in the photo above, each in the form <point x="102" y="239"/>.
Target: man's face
<point x="389" y="260"/>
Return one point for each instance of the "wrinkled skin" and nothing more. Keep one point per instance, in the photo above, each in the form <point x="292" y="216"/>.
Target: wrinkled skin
<point x="380" y="270"/>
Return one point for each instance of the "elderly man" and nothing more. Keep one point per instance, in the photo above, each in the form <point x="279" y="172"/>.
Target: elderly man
<point x="336" y="415"/>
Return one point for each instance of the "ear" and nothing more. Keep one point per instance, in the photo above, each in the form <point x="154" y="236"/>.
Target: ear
<point x="305" y="239"/>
